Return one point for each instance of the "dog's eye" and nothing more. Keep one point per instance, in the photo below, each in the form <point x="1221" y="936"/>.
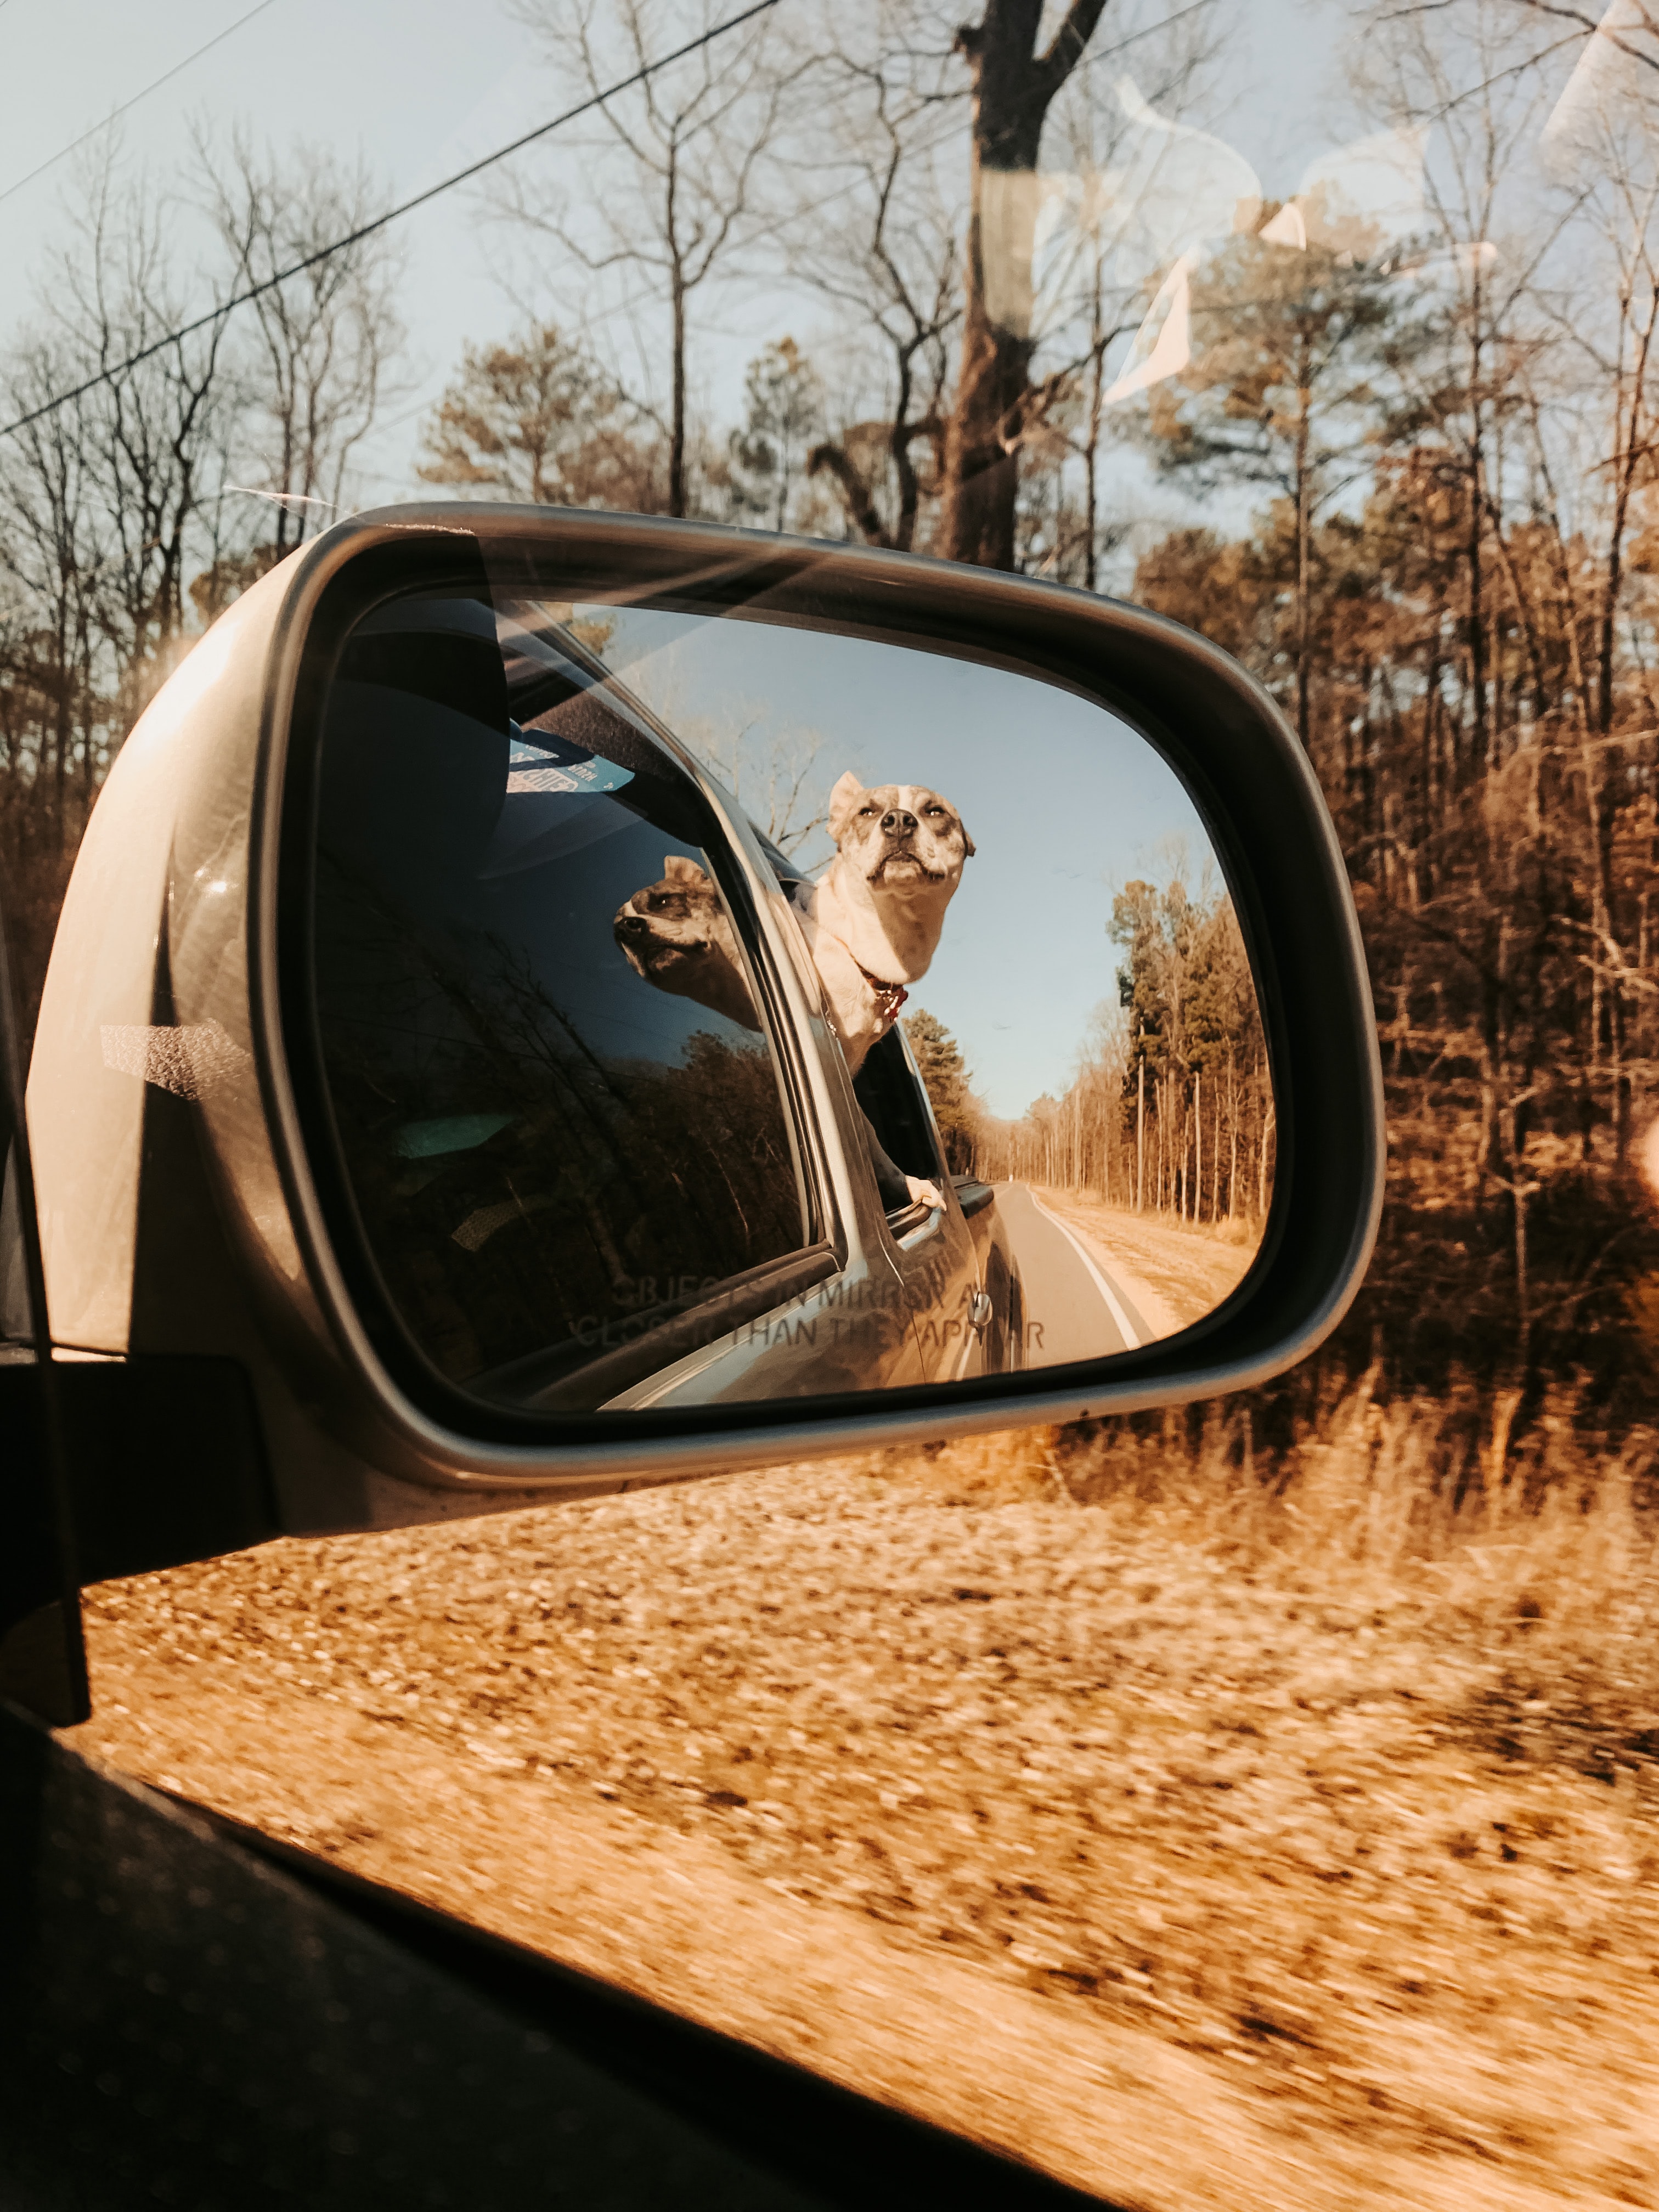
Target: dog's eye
<point x="933" y="810"/>
<point x="866" y="810"/>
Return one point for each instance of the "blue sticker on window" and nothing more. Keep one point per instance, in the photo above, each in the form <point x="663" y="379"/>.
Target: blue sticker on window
<point x="544" y="762"/>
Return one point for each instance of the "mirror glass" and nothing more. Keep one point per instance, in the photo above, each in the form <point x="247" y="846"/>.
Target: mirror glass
<point x="712" y="1009"/>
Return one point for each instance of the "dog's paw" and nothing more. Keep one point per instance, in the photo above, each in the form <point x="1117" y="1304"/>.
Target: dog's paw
<point x="924" y="1193"/>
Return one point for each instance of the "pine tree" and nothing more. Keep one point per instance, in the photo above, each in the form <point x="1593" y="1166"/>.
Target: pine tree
<point x="944" y="1070"/>
<point x="784" y="406"/>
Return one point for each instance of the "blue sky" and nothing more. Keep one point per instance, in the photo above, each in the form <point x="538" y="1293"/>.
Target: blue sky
<point x="418" y="87"/>
<point x="1064" y="803"/>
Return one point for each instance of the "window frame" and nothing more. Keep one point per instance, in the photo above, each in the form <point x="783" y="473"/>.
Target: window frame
<point x="355" y="593"/>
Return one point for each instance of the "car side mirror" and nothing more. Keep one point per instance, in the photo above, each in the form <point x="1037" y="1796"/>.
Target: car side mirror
<point x="441" y="1040"/>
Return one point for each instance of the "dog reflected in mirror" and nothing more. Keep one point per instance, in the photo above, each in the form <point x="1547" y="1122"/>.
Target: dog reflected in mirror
<point x="676" y="934"/>
<point x="874" y="917"/>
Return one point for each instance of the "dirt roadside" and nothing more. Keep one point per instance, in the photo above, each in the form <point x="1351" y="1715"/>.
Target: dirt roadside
<point x="1175" y="1272"/>
<point x="1010" y="1812"/>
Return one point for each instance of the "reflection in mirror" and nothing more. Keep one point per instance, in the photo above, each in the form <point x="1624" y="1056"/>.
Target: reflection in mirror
<point x="715" y="1011"/>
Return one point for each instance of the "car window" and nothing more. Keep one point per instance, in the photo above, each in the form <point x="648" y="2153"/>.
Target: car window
<point x="896" y="1106"/>
<point x="550" y="1147"/>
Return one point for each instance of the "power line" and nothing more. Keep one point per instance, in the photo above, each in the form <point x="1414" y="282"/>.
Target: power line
<point x="392" y="215"/>
<point x="116" y="113"/>
<point x="630" y="300"/>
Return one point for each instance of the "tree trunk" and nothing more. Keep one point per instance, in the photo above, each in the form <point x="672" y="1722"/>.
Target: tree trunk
<point x="1091" y="444"/>
<point x="1232" y="1130"/>
<point x="1304" y="556"/>
<point x="904" y="468"/>
<point x="1012" y="87"/>
<point x="1631" y="449"/>
<point x="1261" y="1171"/>
<point x="1476" y="518"/>
<point x="1215" y="1164"/>
<point x="1197" y="1146"/>
<point x="677" y="423"/>
<point x="61" y="744"/>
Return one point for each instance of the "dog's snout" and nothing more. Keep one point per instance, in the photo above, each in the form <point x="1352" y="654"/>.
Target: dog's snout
<point x="898" y="822"/>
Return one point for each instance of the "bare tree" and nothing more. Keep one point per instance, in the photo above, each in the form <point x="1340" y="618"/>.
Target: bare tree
<point x="152" y="438"/>
<point x="316" y="369"/>
<point x="53" y="538"/>
<point x="892" y="118"/>
<point x="774" y="773"/>
<point x="1118" y="217"/>
<point x="1593" y="434"/>
<point x="877" y="229"/>
<point x="1602" y="136"/>
<point x="768" y="762"/>
<point x="679" y="163"/>
<point x="1288" y="385"/>
<point x="1467" y="77"/>
<point x="1013" y="88"/>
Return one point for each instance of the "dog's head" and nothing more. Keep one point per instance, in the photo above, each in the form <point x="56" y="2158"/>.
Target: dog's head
<point x="676" y="934"/>
<point x="898" y="836"/>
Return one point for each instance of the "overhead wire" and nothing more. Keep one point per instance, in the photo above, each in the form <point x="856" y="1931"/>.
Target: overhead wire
<point x="794" y="215"/>
<point x="115" y="114"/>
<point x="379" y="222"/>
<point x="460" y="176"/>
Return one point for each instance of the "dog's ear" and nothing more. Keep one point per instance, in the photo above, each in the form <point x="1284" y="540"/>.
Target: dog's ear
<point x="677" y="869"/>
<point x="967" y="841"/>
<point x="843" y="803"/>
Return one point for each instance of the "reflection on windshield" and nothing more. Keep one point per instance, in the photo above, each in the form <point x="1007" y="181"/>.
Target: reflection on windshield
<point x="1324" y="1751"/>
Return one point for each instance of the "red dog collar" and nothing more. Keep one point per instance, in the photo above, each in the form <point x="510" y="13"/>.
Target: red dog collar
<point x="889" y="997"/>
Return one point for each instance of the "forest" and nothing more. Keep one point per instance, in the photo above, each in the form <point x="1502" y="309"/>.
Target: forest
<point x="1171" y="1107"/>
<point x="1389" y="439"/>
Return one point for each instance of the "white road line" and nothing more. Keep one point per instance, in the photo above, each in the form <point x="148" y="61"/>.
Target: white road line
<point x="1131" y="1341"/>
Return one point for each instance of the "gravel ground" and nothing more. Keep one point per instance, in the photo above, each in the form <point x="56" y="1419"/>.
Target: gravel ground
<point x="1198" y="1883"/>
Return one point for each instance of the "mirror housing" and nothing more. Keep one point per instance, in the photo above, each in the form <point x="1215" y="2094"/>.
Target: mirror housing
<point x="183" y="1215"/>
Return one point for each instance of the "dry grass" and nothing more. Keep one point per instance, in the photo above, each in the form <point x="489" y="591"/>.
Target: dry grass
<point x="1210" y="1832"/>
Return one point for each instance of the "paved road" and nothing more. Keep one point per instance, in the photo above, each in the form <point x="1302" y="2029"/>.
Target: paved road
<point x="1073" y="1309"/>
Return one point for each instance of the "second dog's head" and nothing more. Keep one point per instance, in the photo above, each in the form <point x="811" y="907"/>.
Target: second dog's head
<point x="676" y="934"/>
<point x="899" y="838"/>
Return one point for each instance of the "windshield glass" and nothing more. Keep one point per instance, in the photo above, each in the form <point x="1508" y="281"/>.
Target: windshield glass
<point x="1263" y="1789"/>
